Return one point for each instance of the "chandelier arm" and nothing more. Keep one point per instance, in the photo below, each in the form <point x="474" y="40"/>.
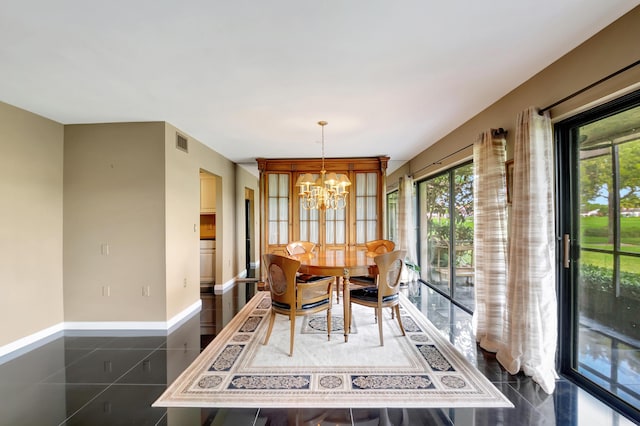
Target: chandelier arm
<point x="327" y="192"/>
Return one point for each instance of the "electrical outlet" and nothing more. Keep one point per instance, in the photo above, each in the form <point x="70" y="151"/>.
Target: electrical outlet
<point x="185" y="282"/>
<point x="106" y="290"/>
<point x="104" y="249"/>
<point x="146" y="290"/>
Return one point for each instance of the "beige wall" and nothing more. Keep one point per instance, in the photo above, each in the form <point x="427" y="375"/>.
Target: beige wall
<point x="126" y="185"/>
<point x="247" y="183"/>
<point x="30" y="223"/>
<point x="182" y="212"/>
<point x="608" y="51"/>
<point x="120" y="219"/>
<point x="114" y="195"/>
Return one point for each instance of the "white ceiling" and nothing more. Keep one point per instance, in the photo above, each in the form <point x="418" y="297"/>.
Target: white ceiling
<point x="252" y="78"/>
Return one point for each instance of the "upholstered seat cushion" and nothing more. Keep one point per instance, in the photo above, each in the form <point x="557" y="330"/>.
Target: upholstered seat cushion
<point x="363" y="280"/>
<point x="305" y="306"/>
<point x="370" y="294"/>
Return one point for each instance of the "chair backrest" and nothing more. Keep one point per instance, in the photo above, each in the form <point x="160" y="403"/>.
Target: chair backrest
<point x="281" y="275"/>
<point x="389" y="272"/>
<point x="380" y="246"/>
<point x="300" y="247"/>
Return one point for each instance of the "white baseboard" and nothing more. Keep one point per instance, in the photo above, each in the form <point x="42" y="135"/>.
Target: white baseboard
<point x="31" y="341"/>
<point x="17" y="347"/>
<point x="135" y="325"/>
<point x="221" y="288"/>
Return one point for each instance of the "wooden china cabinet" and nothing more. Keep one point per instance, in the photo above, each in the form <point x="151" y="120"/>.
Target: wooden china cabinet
<point x="284" y="218"/>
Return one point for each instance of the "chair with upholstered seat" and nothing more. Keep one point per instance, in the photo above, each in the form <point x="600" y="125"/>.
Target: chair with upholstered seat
<point x="380" y="246"/>
<point x="377" y="247"/>
<point x="305" y="247"/>
<point x="300" y="247"/>
<point x="291" y="297"/>
<point x="384" y="294"/>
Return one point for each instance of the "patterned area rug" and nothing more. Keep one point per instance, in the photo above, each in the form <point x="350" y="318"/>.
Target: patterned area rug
<point x="318" y="323"/>
<point x="421" y="369"/>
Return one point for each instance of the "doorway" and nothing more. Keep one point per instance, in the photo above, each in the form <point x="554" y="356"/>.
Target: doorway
<point x="208" y="225"/>
<point x="249" y="232"/>
<point x="599" y="220"/>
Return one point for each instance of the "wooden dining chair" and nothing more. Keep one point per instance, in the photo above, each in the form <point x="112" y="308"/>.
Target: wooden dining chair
<point x="291" y="297"/>
<point x="300" y="247"/>
<point x="305" y="247"/>
<point x="378" y="247"/>
<point x="384" y="294"/>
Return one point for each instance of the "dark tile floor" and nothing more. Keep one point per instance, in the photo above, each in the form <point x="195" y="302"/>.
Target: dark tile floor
<point x="112" y="379"/>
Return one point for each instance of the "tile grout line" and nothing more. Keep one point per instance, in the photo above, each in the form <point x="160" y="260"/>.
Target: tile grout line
<point x="109" y="385"/>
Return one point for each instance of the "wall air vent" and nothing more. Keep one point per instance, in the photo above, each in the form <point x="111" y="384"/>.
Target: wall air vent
<point x="182" y="143"/>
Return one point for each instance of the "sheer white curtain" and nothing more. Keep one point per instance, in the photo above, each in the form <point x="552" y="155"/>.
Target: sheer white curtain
<point x="406" y="223"/>
<point x="530" y="329"/>
<point x="490" y="238"/>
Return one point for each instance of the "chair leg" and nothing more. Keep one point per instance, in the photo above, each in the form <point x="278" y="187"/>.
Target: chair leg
<point x="379" y="315"/>
<point x="271" y="321"/>
<point x="329" y="324"/>
<point x="292" y="321"/>
<point x="397" y="311"/>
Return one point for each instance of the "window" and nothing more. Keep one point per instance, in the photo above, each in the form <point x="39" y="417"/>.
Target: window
<point x="446" y="233"/>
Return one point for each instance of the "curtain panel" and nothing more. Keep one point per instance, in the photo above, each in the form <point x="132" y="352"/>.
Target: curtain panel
<point x="490" y="239"/>
<point x="406" y="225"/>
<point x="530" y="323"/>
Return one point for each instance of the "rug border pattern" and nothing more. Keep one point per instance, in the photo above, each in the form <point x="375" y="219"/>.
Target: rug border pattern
<point x="477" y="391"/>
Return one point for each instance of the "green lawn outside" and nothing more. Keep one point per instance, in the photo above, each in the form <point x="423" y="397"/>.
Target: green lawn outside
<point x="627" y="263"/>
<point x="598" y="226"/>
<point x="595" y="234"/>
<point x="604" y="246"/>
<point x="595" y="231"/>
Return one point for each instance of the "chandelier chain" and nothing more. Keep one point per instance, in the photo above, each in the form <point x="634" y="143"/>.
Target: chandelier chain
<point x="327" y="191"/>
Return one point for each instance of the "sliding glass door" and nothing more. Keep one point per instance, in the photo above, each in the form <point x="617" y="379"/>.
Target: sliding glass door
<point x="446" y="233"/>
<point x="599" y="216"/>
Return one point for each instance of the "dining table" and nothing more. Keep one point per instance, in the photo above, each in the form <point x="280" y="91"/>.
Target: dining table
<point x="342" y="264"/>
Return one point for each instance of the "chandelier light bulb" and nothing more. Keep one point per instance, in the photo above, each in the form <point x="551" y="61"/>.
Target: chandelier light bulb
<point x="328" y="191"/>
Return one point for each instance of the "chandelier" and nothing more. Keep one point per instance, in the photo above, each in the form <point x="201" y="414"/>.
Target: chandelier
<point x="329" y="191"/>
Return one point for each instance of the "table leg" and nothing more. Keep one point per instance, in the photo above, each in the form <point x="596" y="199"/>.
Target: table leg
<point x="346" y="305"/>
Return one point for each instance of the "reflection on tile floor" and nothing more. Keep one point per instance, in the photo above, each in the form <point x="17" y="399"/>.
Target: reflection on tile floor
<point x="75" y="379"/>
